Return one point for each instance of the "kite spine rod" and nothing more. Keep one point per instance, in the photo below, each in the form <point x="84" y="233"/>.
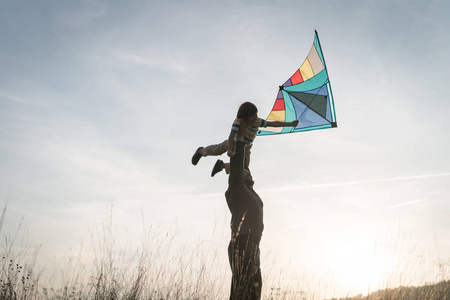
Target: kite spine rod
<point x="323" y="56"/>
<point x="334" y="124"/>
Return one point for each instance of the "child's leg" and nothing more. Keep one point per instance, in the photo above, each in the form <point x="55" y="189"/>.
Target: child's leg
<point x="226" y="166"/>
<point x="217" y="149"/>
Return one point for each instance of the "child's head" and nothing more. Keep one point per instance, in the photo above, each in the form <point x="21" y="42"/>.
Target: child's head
<point x="247" y="110"/>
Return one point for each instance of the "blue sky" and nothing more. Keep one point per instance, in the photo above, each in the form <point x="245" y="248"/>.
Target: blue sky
<point x="104" y="102"/>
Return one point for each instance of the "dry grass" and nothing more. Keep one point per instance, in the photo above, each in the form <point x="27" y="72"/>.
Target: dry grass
<point x="159" y="268"/>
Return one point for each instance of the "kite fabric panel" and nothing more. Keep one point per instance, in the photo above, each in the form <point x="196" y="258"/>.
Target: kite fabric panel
<point x="305" y="97"/>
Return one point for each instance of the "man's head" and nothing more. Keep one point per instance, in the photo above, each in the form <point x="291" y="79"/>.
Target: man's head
<point x="248" y="111"/>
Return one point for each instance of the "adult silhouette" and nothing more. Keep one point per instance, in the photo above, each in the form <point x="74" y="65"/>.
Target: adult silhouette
<point x="246" y="209"/>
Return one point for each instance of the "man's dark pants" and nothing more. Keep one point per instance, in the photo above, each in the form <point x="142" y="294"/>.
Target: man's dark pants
<point x="246" y="281"/>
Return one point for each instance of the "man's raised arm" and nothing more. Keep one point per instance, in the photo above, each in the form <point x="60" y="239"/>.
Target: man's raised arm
<point x="237" y="161"/>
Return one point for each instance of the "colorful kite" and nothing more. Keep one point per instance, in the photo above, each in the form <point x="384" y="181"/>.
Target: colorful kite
<point x="305" y="97"/>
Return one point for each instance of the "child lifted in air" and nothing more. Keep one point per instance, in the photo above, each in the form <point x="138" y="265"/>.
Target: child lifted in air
<point x="247" y="113"/>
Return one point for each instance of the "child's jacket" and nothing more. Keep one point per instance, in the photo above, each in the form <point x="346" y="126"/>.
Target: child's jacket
<point x="252" y="129"/>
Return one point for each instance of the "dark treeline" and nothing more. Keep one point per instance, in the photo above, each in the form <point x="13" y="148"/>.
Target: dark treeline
<point x="438" y="291"/>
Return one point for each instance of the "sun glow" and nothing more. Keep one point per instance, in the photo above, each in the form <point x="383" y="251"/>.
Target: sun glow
<point x="359" y="266"/>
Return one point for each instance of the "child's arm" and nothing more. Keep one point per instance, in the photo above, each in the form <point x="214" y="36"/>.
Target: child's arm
<point x="281" y="124"/>
<point x="231" y="143"/>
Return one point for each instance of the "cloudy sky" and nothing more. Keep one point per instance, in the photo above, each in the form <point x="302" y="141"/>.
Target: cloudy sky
<point x="102" y="104"/>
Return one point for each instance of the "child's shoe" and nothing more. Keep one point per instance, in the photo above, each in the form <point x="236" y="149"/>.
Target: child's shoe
<point x="197" y="155"/>
<point x="217" y="167"/>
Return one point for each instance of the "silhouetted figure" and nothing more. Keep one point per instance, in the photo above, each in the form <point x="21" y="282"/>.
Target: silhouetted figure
<point x="246" y="227"/>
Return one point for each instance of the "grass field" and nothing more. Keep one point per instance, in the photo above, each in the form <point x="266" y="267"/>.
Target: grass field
<point x="160" y="268"/>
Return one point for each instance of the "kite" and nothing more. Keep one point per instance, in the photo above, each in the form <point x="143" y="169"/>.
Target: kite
<point x="305" y="97"/>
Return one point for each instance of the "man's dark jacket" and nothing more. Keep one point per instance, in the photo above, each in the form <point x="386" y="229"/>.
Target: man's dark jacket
<point x="245" y="205"/>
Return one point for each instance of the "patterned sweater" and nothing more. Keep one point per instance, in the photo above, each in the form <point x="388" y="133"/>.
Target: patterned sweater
<point x="252" y="129"/>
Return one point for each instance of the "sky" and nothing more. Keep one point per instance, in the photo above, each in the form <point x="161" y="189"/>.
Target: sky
<point x="103" y="103"/>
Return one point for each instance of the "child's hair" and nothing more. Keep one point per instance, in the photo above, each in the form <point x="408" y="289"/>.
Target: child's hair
<point x="247" y="109"/>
